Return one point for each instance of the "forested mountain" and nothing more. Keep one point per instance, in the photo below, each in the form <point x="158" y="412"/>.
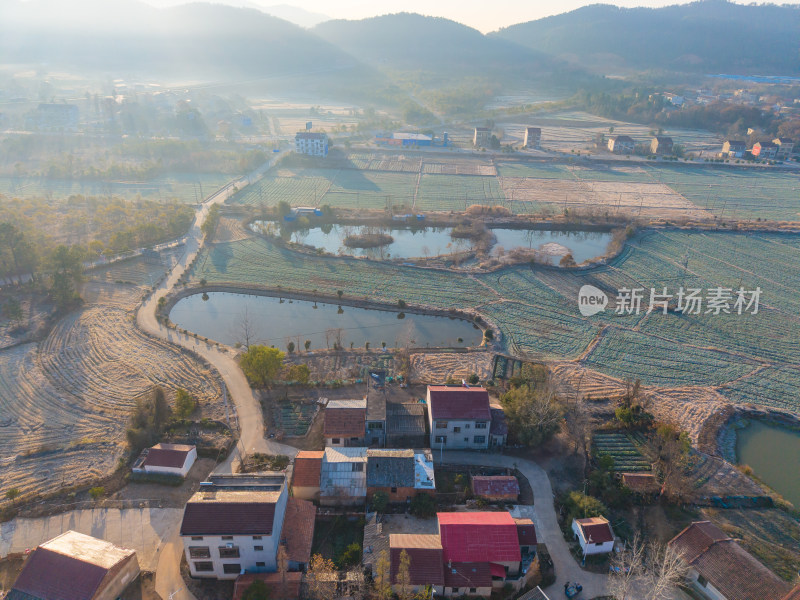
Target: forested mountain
<point x="706" y="37"/>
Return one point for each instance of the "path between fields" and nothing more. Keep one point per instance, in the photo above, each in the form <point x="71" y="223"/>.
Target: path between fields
<point x="547" y="529"/>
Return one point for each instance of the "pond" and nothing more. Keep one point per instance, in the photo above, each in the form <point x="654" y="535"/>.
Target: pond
<point x="432" y="241"/>
<point x="275" y="321"/>
<point x="773" y="452"/>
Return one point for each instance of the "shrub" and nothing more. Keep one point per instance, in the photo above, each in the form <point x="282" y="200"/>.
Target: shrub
<point x="97" y="492"/>
<point x="379" y="501"/>
<point x="423" y="506"/>
<point x="185" y="403"/>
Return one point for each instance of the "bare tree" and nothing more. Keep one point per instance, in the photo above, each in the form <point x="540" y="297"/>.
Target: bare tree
<point x="666" y="569"/>
<point x="671" y="448"/>
<point x="247" y="328"/>
<point x="382" y="584"/>
<point x="646" y="571"/>
<point x="405" y="589"/>
<point x="625" y="569"/>
<point x="321" y="581"/>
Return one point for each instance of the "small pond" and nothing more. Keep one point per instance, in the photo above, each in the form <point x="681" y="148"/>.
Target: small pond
<point x="422" y="242"/>
<point x="275" y="321"/>
<point x="773" y="452"/>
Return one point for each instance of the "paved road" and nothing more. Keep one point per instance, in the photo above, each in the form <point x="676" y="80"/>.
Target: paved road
<point x="547" y="529"/>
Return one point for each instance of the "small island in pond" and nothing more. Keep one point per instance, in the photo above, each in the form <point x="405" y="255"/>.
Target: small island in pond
<point x="368" y="240"/>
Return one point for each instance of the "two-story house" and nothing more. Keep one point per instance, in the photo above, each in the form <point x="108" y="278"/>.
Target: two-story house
<point x="236" y="523"/>
<point x="345" y="423"/>
<point x="459" y="417"/>
<point x="621" y="144"/>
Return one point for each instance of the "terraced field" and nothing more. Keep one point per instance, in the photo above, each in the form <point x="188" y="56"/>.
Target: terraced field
<point x="748" y="358"/>
<point x="65" y="403"/>
<point x="620" y="447"/>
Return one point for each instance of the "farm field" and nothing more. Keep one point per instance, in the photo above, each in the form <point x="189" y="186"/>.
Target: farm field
<point x="65" y="402"/>
<point x="621" y="447"/>
<point x="536" y="310"/>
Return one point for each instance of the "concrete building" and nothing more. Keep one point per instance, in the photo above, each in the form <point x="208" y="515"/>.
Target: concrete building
<point x="498" y="430"/>
<point x="426" y="565"/>
<point x="236" y="523"/>
<point x="734" y="148"/>
<point x="533" y="137"/>
<point x="166" y="459"/>
<point x="400" y="474"/>
<point x="594" y="535"/>
<point x="621" y="144"/>
<point x="405" y="139"/>
<point x="481" y="137"/>
<point x="343" y="477"/>
<point x="459" y="417"/>
<point x="306" y="470"/>
<point x="311" y="144"/>
<point x="720" y="569"/>
<point x="376" y="420"/>
<point x="765" y="150"/>
<point x="785" y="147"/>
<point x="661" y="145"/>
<point x="74" y="566"/>
<point x="345" y="423"/>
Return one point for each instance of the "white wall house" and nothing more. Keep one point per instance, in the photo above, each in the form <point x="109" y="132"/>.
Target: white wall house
<point x="594" y="535"/>
<point x="167" y="459"/>
<point x="311" y="144"/>
<point x="233" y="525"/>
<point x="459" y="418"/>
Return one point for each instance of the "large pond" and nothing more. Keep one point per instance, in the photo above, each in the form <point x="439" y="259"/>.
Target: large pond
<point x="432" y="241"/>
<point x="275" y="321"/>
<point x="774" y="454"/>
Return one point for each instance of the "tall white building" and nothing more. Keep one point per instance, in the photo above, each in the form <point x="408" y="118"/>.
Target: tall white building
<point x="312" y="144"/>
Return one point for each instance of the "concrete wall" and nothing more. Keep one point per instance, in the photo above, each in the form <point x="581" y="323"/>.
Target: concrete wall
<point x="707" y="590"/>
<point x="118" y="579"/>
<point x="305" y="493"/>
<point x="485" y="592"/>
<point x="182" y="472"/>
<point x="464" y="439"/>
<point x="400" y="495"/>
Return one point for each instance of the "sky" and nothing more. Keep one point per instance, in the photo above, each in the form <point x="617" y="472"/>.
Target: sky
<point x="481" y="14"/>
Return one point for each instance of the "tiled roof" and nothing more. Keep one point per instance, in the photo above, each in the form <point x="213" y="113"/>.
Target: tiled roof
<point x="306" y="469"/>
<point x="227" y="518"/>
<point x="526" y="532"/>
<point x="496" y="485"/>
<point x="644" y="483"/>
<point x="345" y="455"/>
<point x="167" y="455"/>
<point x="274" y="583"/>
<point x="390" y="468"/>
<point x="461" y="574"/>
<point x="298" y="529"/>
<point x="425" y="558"/>
<point x="498" y="426"/>
<point x="459" y="403"/>
<point x="623" y="138"/>
<point x="596" y="530"/>
<point x="726" y="565"/>
<point x="479" y="537"/>
<point x="793" y="595"/>
<point x="345" y="422"/>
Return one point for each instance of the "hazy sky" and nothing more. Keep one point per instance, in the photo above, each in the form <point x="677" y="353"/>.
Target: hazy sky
<point x="480" y="14"/>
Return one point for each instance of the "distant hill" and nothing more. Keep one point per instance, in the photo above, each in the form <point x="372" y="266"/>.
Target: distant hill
<point x="705" y="37"/>
<point x="294" y="14"/>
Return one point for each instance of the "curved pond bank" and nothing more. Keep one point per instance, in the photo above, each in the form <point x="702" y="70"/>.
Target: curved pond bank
<point x="277" y="321"/>
<point x="773" y="452"/>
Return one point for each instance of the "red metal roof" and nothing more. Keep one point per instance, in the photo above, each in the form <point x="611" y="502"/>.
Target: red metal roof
<point x="228" y="518"/>
<point x="497" y="570"/>
<point x="298" y="529"/>
<point x="172" y="457"/>
<point x="459" y="403"/>
<point x="424" y="554"/>
<point x="345" y="422"/>
<point x="596" y="530"/>
<point x="526" y="532"/>
<point x="479" y="537"/>
<point x="495" y="485"/>
<point x="471" y="575"/>
<point x="53" y="576"/>
<point x="307" y="465"/>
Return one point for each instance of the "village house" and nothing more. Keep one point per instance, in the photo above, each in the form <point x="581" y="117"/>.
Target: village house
<point x="345" y="423"/>
<point x="166" y="459"/>
<point x="661" y="145"/>
<point x="785" y="147"/>
<point x="236" y="523"/>
<point x="400" y="474"/>
<point x="594" y="535"/>
<point x="533" y="137"/>
<point x="526" y="534"/>
<point x="498" y="430"/>
<point x="376" y="420"/>
<point x="75" y="566"/>
<point x="764" y="150"/>
<point x="621" y="144"/>
<point x="734" y="148"/>
<point x="481" y="137"/>
<point x="306" y="470"/>
<point x="311" y="144"/>
<point x="496" y="488"/>
<point x="459" y="417"/>
<point x="343" y="477"/>
<point x="426" y="565"/>
<point x="720" y="569"/>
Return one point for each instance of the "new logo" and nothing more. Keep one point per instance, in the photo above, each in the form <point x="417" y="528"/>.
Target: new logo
<point x="591" y="300"/>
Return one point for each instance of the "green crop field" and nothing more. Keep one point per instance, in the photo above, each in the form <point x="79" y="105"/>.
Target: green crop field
<point x="748" y="357"/>
<point x="457" y="192"/>
<point x="621" y="448"/>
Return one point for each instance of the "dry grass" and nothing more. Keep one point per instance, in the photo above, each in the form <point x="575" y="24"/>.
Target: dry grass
<point x="435" y="368"/>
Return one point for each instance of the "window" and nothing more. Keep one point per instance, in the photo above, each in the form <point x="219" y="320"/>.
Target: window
<point x="440" y="439"/>
<point x="454" y="590"/>
<point x="598" y="543"/>
<point x="203" y="566"/>
<point x="227" y="537"/>
<point x="199" y="552"/>
<point x="197" y="538"/>
<point x="466" y="426"/>
<point x="335" y="441"/>
<point x="376" y="425"/>
<point x="258" y="548"/>
<point x="232" y="568"/>
<point x="256" y="537"/>
<point x="375" y="441"/>
<point x="441" y="424"/>
<point x="456" y="429"/>
<point x="225" y="552"/>
<point x="473" y="590"/>
<point x="354" y="439"/>
<point x="480" y="425"/>
<point x="480" y="439"/>
<point x="261" y="564"/>
<point x="394" y="490"/>
<point x="702" y="580"/>
<point x="357" y="467"/>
